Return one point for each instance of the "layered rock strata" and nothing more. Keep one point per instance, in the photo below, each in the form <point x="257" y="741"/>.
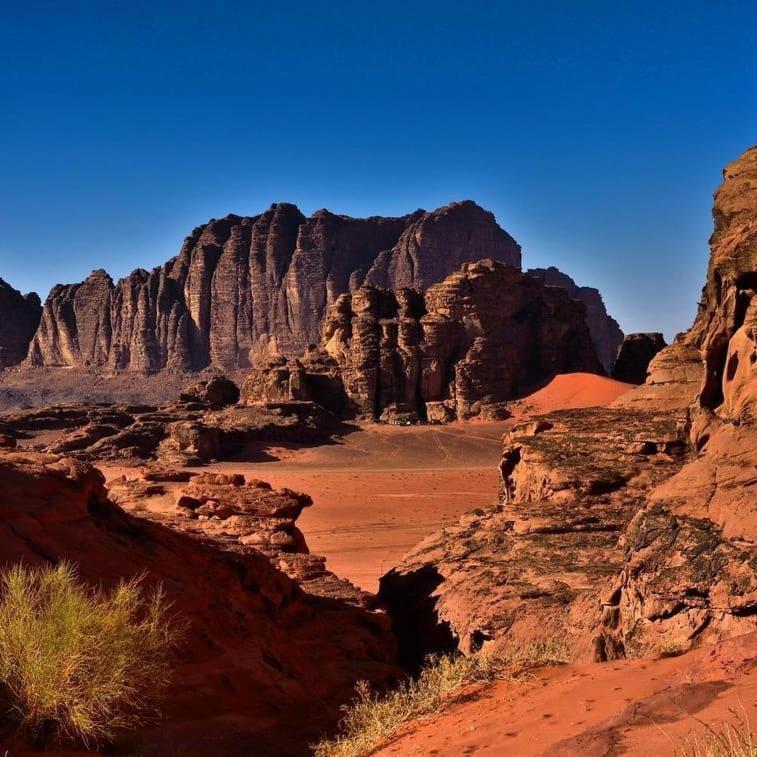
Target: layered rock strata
<point x="19" y="319"/>
<point x="243" y="287"/>
<point x="484" y="335"/>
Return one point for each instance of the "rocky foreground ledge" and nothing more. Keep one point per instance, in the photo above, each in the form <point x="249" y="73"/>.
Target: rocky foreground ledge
<point x="264" y="665"/>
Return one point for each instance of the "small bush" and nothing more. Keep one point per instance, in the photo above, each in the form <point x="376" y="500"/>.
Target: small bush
<point x="79" y="664"/>
<point x="373" y="718"/>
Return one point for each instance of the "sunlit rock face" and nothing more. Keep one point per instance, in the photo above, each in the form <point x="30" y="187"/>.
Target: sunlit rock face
<point x="461" y="349"/>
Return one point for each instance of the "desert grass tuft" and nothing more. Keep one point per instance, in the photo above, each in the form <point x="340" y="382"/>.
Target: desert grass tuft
<point x="732" y="738"/>
<point x="79" y="664"/>
<point x="373" y="718"/>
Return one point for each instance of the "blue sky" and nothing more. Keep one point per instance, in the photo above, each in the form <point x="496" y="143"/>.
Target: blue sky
<point x="595" y="131"/>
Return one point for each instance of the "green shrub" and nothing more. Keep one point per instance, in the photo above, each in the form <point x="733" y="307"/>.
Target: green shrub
<point x="373" y="718"/>
<point x="79" y="664"/>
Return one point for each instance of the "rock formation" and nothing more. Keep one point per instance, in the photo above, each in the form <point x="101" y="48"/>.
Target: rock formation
<point x="624" y="531"/>
<point x="634" y="357"/>
<point x="484" y="335"/>
<point x="264" y="665"/>
<point x="19" y="318"/>
<point x="203" y="425"/>
<point x="244" y="287"/>
<point x="604" y="329"/>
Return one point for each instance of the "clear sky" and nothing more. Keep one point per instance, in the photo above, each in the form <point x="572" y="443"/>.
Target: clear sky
<point x="594" y="130"/>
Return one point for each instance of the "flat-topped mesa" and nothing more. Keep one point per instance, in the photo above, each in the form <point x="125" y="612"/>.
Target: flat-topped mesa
<point x="604" y="329"/>
<point x="244" y="288"/>
<point x="484" y="335"/>
<point x="19" y="318"/>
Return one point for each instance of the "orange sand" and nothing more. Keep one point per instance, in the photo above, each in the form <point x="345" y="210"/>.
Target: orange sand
<point x="571" y="391"/>
<point x="382" y="489"/>
<point x="638" y="707"/>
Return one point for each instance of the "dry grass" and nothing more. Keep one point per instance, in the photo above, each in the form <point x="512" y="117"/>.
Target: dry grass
<point x="374" y="718"/>
<point x="729" y="739"/>
<point x="78" y="664"/>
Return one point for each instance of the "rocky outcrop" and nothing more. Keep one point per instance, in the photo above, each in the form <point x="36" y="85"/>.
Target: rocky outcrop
<point x="484" y="335"/>
<point x="243" y="288"/>
<point x="625" y="531"/>
<point x="19" y="319"/>
<point x="604" y="329"/>
<point x="203" y="425"/>
<point x="634" y="357"/>
<point x="270" y="662"/>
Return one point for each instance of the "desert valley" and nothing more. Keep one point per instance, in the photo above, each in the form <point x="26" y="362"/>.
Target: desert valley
<point x="381" y="450"/>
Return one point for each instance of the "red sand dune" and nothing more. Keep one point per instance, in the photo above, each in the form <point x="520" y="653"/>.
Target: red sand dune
<point x="570" y="391"/>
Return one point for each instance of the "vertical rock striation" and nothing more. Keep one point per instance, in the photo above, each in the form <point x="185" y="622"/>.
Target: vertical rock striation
<point x="246" y="287"/>
<point x="604" y="329"/>
<point x="484" y="335"/>
<point x="19" y="318"/>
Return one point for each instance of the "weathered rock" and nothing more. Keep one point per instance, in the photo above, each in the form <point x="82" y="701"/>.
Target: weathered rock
<point x="434" y="245"/>
<point x="634" y="357"/>
<point x="256" y="648"/>
<point x="246" y="288"/>
<point x="605" y="331"/>
<point x="484" y="335"/>
<point x="19" y="319"/>
<point x="200" y="427"/>
<point x="571" y="483"/>
<point x="216" y="392"/>
<point x="623" y="531"/>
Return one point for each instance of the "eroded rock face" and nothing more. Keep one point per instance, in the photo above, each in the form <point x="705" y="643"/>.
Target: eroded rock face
<point x="244" y="288"/>
<point x="571" y="483"/>
<point x="604" y="329"/>
<point x="459" y="350"/>
<point x="19" y="319"/>
<point x="634" y="357"/>
<point x="436" y="244"/>
<point x="624" y="531"/>
<point x="275" y="662"/>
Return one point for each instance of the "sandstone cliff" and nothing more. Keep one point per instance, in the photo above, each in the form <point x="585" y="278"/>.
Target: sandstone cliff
<point x="19" y="318"/>
<point x="243" y="287"/>
<point x="604" y="329"/>
<point x="625" y="531"/>
<point x="484" y="335"/>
